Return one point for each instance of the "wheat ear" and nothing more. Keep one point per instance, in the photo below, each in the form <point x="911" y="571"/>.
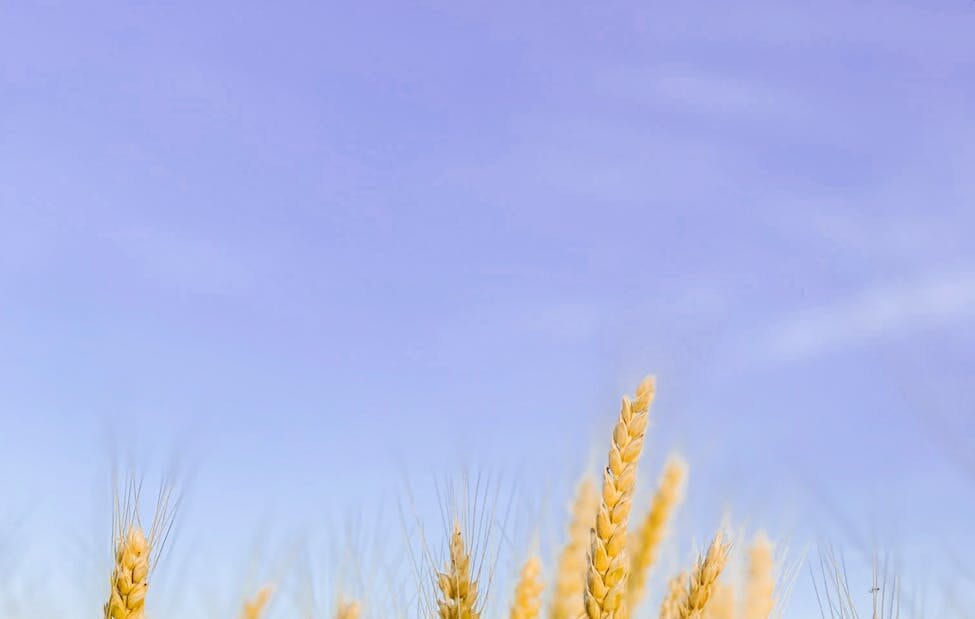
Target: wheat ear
<point x="130" y="576"/>
<point x="347" y="610"/>
<point x="704" y="577"/>
<point x="670" y="607"/>
<point x="646" y="543"/>
<point x="134" y="552"/>
<point x="760" y="586"/>
<point x="458" y="591"/>
<point x="528" y="592"/>
<point x="607" y="565"/>
<point x="254" y="607"/>
<point x="570" y="576"/>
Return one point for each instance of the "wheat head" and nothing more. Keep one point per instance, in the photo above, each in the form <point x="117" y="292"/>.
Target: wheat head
<point x="607" y="566"/>
<point x="458" y="591"/>
<point x="528" y="592"/>
<point x="760" y="586"/>
<point x="347" y="610"/>
<point x="670" y="607"/>
<point x="254" y="607"/>
<point x="130" y="576"/>
<point x="646" y="543"/>
<point x="703" y="579"/>
<point x="570" y="576"/>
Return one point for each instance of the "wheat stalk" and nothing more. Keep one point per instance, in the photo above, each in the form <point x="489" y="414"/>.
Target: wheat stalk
<point x="457" y="589"/>
<point x="254" y="607"/>
<point x="647" y="540"/>
<point x="347" y="610"/>
<point x="570" y="578"/>
<point x="760" y="586"/>
<point x="703" y="579"/>
<point x="528" y="592"/>
<point x="670" y="607"/>
<point x="607" y="566"/>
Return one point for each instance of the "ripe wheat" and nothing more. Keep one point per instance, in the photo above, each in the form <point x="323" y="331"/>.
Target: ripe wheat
<point x="646" y="542"/>
<point x="528" y="592"/>
<point x="703" y="579"/>
<point x="458" y="591"/>
<point x="254" y="608"/>
<point x="607" y="568"/>
<point x="760" y="587"/>
<point x="130" y="576"/>
<point x="347" y="610"/>
<point x="670" y="607"/>
<point x="570" y="577"/>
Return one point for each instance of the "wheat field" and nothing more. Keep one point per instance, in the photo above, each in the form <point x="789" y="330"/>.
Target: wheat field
<point x="606" y="564"/>
<point x="604" y="570"/>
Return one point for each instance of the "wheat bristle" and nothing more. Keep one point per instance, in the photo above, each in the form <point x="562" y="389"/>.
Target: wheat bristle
<point x="646" y="542"/>
<point x="528" y="592"/>
<point x="570" y="576"/>
<point x="607" y="566"/>
<point x="703" y="579"/>
<point x="130" y="576"/>
<point x="760" y="586"/>
<point x="458" y="591"/>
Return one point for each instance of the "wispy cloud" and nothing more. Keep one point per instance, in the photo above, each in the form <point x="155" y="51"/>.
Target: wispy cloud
<point x="877" y="312"/>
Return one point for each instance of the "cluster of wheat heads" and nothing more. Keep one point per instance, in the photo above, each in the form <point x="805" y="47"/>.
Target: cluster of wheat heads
<point x="618" y="561"/>
<point x="602" y="571"/>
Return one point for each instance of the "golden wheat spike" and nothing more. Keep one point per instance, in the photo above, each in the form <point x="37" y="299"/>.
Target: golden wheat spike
<point x="676" y="586"/>
<point x="607" y="566"/>
<point x="570" y="576"/>
<point x="254" y="607"/>
<point x="130" y="576"/>
<point x="528" y="592"/>
<point x="347" y="610"/>
<point x="646" y="542"/>
<point x="760" y="586"/>
<point x="458" y="591"/>
<point x="702" y="582"/>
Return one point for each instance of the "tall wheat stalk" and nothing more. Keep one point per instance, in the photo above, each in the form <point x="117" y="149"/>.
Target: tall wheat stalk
<point x="760" y="586"/>
<point x="570" y="576"/>
<point x="646" y="542"/>
<point x="528" y="592"/>
<point x="458" y="590"/>
<point x="608" y="567"/>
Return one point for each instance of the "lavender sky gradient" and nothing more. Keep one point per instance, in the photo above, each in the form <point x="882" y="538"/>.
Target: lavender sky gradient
<point x="306" y="251"/>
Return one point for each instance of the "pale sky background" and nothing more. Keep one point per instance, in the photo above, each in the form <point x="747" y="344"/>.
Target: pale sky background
<point x="308" y="252"/>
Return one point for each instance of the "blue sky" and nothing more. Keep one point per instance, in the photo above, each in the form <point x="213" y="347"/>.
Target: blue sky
<point x="307" y="251"/>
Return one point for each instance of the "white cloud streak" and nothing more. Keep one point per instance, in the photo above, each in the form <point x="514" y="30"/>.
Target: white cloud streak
<point x="874" y="314"/>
